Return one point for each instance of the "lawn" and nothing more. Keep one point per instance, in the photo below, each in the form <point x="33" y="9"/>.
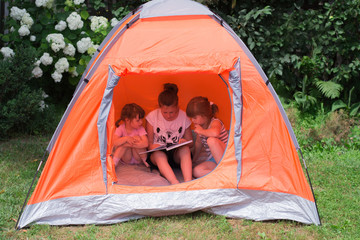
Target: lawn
<point x="334" y="171"/>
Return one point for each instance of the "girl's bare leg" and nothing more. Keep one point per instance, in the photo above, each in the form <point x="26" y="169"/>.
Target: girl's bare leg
<point x="161" y="161"/>
<point x="183" y="156"/>
<point x="203" y="168"/>
<point x="123" y="153"/>
<point x="140" y="157"/>
<point x="217" y="148"/>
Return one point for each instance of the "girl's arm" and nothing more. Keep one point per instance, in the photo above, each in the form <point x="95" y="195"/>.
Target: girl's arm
<point x="150" y="136"/>
<point x="140" y="142"/>
<point x="198" y="147"/>
<point x="214" y="129"/>
<point x="187" y="137"/>
<point x="119" y="141"/>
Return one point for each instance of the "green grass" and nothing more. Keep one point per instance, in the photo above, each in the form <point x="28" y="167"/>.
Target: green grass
<point x="334" y="171"/>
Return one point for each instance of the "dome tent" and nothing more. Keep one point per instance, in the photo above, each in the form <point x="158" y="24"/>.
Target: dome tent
<point x="181" y="41"/>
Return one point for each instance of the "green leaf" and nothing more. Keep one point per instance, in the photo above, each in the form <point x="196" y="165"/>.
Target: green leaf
<point x="84" y="14"/>
<point x="72" y="36"/>
<point x="338" y="105"/>
<point x="354" y="109"/>
<point x="73" y="81"/>
<point x="37" y="28"/>
<point x="329" y="89"/>
<point x="80" y="69"/>
<point x="82" y="62"/>
<point x="5" y="38"/>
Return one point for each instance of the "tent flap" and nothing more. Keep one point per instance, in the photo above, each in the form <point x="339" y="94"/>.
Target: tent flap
<point x="102" y="119"/>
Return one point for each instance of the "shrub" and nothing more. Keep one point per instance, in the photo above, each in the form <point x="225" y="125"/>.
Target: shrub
<point x="21" y="104"/>
<point x="325" y="130"/>
<point x="66" y="35"/>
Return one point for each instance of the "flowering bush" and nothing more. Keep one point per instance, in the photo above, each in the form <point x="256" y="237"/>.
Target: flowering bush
<point x="64" y="34"/>
<point x="22" y="105"/>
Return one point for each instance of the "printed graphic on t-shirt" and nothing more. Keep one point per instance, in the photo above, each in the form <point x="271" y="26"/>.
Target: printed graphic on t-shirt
<point x="168" y="137"/>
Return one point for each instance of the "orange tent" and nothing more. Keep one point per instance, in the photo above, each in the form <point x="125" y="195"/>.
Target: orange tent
<point x="259" y="177"/>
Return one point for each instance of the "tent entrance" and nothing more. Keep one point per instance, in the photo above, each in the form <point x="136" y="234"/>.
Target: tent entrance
<point x="143" y="90"/>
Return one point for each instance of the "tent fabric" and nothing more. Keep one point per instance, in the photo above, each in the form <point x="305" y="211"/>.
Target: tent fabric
<point x="259" y="176"/>
<point x="235" y="83"/>
<point x="227" y="202"/>
<point x="102" y="119"/>
<point x="173" y="8"/>
<point x="104" y="47"/>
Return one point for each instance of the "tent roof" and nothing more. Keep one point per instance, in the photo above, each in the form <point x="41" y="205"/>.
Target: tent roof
<point x="160" y="8"/>
<point x="174" y="44"/>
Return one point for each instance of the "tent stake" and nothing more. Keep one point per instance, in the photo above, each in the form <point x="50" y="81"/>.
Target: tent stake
<point x="27" y="196"/>
<point x="312" y="190"/>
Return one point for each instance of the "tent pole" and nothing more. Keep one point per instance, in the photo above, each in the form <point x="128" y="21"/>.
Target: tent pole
<point x="312" y="190"/>
<point x="27" y="196"/>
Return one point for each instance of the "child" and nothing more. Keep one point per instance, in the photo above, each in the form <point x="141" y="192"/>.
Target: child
<point x="130" y="137"/>
<point x="169" y="125"/>
<point x="211" y="134"/>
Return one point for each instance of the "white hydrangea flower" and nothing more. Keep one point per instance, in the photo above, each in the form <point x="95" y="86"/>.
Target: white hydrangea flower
<point x="24" y="30"/>
<point x="56" y="40"/>
<point x="17" y="13"/>
<point x="37" y="72"/>
<point x="62" y="65"/>
<point x="60" y="26"/>
<point x="44" y="95"/>
<point x="32" y="38"/>
<point x="37" y="63"/>
<point x="27" y="20"/>
<point x="40" y="3"/>
<point x="7" y="52"/>
<point x="12" y="29"/>
<point x="74" y="21"/>
<point x="44" y="3"/>
<point x="46" y="59"/>
<point x="84" y="44"/>
<point x="69" y="50"/>
<point x="78" y="2"/>
<point x="56" y="76"/>
<point x="42" y="105"/>
<point x="98" y="22"/>
<point x="114" y="21"/>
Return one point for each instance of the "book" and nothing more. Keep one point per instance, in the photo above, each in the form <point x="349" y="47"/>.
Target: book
<point x="167" y="147"/>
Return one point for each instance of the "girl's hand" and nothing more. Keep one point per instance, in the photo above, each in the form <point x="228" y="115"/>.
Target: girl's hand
<point x="136" y="139"/>
<point x="144" y="161"/>
<point x="131" y="140"/>
<point x="198" y="129"/>
<point x="182" y="140"/>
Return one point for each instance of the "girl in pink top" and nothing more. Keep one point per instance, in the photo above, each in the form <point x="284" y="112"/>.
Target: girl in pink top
<point x="169" y="125"/>
<point x="130" y="137"/>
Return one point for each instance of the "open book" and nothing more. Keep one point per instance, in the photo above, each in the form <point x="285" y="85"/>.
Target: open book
<point x="168" y="147"/>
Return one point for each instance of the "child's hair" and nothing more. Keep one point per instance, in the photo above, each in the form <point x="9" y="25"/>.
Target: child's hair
<point x="169" y="96"/>
<point x="201" y="106"/>
<point x="130" y="111"/>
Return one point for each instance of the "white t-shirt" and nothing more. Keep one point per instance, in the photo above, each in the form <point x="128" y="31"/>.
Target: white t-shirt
<point x="168" y="132"/>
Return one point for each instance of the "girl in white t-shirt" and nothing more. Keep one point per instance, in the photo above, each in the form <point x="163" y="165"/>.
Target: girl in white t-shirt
<point x="169" y="125"/>
<point x="130" y="137"/>
<point x="211" y="135"/>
